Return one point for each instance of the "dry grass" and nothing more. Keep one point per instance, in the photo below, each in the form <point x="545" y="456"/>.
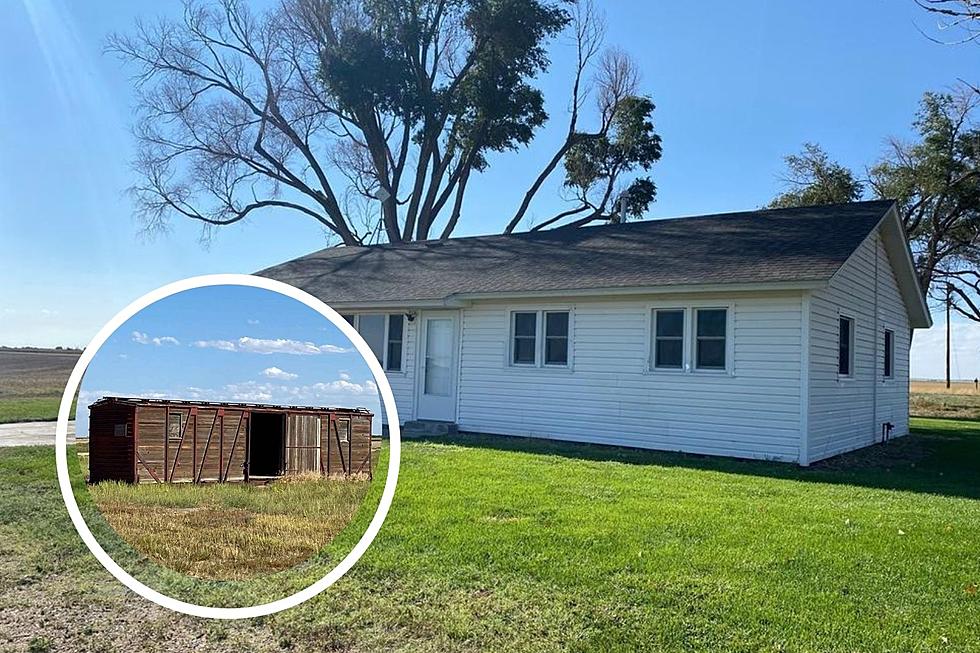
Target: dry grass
<point x="230" y="531"/>
<point x="939" y="387"/>
<point x="932" y="399"/>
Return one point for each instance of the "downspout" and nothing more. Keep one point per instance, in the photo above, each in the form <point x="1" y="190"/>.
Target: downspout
<point x="874" y="356"/>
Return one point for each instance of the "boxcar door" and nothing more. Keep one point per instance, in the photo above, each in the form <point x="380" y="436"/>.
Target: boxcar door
<point x="302" y="444"/>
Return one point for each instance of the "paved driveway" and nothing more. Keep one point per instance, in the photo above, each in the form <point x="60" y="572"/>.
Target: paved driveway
<point x="25" y="433"/>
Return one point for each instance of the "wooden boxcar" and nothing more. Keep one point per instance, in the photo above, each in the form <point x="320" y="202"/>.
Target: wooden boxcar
<point x="139" y="440"/>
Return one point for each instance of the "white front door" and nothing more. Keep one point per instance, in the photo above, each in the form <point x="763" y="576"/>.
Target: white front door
<point x="437" y="377"/>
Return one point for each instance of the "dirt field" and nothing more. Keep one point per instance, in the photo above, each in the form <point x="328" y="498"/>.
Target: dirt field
<point x="31" y="382"/>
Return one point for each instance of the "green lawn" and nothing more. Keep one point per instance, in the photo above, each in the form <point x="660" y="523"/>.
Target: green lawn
<point x="31" y="409"/>
<point x="509" y="544"/>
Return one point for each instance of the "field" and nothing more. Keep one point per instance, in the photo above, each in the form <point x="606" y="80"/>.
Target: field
<point x="32" y="381"/>
<point x="510" y="544"/>
<point x="932" y="399"/>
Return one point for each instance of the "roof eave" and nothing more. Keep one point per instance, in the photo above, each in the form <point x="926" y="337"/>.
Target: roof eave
<point x="893" y="236"/>
<point x="461" y="300"/>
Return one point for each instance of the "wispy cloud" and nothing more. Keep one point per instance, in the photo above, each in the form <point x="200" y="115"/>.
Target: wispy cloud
<point x="278" y="374"/>
<point x="333" y="393"/>
<point x="226" y="345"/>
<point x="252" y="322"/>
<point x="145" y="339"/>
<point x="271" y="346"/>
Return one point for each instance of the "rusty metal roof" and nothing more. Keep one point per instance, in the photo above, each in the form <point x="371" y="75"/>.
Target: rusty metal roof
<point x="152" y="401"/>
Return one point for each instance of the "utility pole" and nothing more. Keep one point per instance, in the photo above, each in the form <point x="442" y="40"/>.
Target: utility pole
<point x="949" y="300"/>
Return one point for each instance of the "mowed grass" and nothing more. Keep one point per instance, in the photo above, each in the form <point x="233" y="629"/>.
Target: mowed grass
<point x="230" y="530"/>
<point x="509" y="544"/>
<point x="32" y="382"/>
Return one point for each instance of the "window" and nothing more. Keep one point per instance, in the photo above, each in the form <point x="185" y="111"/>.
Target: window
<point x="710" y="344"/>
<point x="845" y="346"/>
<point x="372" y="329"/>
<point x="556" y="338"/>
<point x="175" y="428"/>
<point x="396" y="327"/>
<point x="525" y="328"/>
<point x="668" y="346"/>
<point x="120" y="430"/>
<point x="540" y="338"/>
<point x="384" y="334"/>
<point x="889" y="354"/>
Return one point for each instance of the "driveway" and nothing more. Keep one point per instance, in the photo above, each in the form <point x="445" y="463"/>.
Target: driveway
<point x="27" y="433"/>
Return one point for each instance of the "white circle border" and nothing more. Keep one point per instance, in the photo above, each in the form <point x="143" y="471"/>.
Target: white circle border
<point x="61" y="448"/>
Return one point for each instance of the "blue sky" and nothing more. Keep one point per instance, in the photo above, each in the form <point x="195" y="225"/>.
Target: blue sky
<point x="230" y="343"/>
<point x="737" y="86"/>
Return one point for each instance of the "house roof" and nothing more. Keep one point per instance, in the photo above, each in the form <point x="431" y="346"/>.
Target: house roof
<point x="773" y="246"/>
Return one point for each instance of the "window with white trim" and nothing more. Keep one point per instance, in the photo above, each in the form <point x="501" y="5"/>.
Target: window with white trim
<point x="540" y="338"/>
<point x="691" y="338"/>
<point x="889" y="353"/>
<point x="524" y="340"/>
<point x="385" y="334"/>
<point x="845" y="346"/>
<point x="556" y="338"/>
<point x="711" y="338"/>
<point x="668" y="338"/>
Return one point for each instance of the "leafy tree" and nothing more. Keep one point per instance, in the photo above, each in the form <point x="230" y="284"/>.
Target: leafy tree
<point x="812" y="178"/>
<point x="329" y="108"/>
<point x="936" y="181"/>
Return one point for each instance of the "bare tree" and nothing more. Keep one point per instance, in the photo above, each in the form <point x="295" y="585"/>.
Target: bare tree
<point x="324" y="107"/>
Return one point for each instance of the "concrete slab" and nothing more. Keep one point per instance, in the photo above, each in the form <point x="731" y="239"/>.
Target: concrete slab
<point x="21" y="434"/>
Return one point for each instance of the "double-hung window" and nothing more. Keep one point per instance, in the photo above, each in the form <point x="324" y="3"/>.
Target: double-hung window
<point x="525" y="340"/>
<point x="711" y="340"/>
<point x="668" y="346"/>
<point x="556" y="338"/>
<point x="384" y="334"/>
<point x="539" y="338"/>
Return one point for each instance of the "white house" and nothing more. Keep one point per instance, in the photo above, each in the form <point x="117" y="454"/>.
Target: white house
<point x="775" y="334"/>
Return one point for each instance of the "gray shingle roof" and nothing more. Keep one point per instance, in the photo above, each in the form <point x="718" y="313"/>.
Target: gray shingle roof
<point x="787" y="245"/>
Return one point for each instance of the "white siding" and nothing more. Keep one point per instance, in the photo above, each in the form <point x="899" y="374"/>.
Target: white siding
<point x="610" y="396"/>
<point x="403" y="383"/>
<point x="842" y="412"/>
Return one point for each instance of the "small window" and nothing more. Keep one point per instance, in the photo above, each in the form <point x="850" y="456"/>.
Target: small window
<point x="556" y="338"/>
<point x="372" y="329"/>
<point x="889" y="354"/>
<point x="525" y="328"/>
<point x="710" y="346"/>
<point x="175" y="426"/>
<point x="845" y="346"/>
<point x="396" y="329"/>
<point x="120" y="430"/>
<point x="668" y="347"/>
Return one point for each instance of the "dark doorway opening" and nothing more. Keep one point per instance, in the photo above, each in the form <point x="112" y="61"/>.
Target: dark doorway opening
<point x="267" y="444"/>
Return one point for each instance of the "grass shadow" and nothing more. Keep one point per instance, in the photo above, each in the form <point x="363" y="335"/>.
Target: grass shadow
<point x="940" y="457"/>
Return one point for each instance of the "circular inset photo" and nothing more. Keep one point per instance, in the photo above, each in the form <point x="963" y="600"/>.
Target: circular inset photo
<point x="230" y="433"/>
